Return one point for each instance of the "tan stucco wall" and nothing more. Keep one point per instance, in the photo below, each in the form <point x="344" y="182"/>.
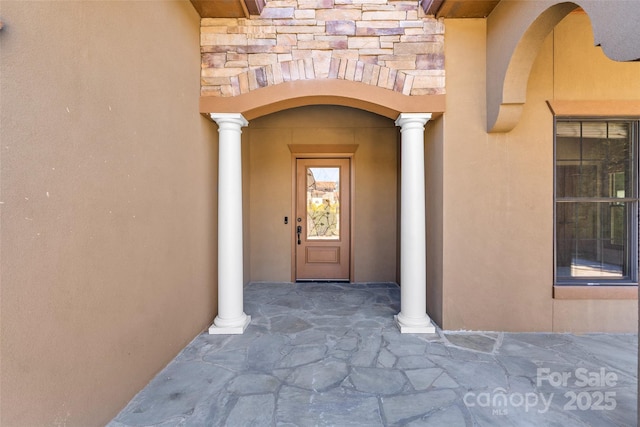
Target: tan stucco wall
<point x="375" y="200"/>
<point x="434" y="150"/>
<point x="582" y="72"/>
<point x="498" y="188"/>
<point x="108" y="204"/>
<point x="246" y="205"/>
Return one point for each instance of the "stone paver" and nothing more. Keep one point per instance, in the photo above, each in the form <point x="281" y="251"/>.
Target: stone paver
<point x="327" y="354"/>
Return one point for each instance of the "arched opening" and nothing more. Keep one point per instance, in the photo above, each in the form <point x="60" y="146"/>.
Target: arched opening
<point x="269" y="172"/>
<point x="255" y="186"/>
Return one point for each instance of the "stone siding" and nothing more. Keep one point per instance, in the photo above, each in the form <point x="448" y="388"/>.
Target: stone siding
<point x="385" y="43"/>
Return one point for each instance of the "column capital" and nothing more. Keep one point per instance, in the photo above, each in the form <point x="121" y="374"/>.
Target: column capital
<point x="229" y="118"/>
<point x="415" y="118"/>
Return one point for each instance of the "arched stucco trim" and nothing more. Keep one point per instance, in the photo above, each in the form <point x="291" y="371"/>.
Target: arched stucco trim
<point x="300" y="93"/>
<point x="615" y="27"/>
<point x="515" y="32"/>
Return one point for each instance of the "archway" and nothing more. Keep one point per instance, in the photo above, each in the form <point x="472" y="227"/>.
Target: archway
<point x="410" y="116"/>
<point x="299" y="93"/>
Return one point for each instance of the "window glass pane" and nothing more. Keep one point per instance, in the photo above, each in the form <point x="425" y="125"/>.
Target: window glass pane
<point x="591" y="240"/>
<point x="323" y="203"/>
<point x="595" y="235"/>
<point x="596" y="129"/>
<point x="589" y="155"/>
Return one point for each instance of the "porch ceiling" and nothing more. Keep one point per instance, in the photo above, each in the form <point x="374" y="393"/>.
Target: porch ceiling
<point x="459" y="8"/>
<point x="228" y="8"/>
<point x="439" y="8"/>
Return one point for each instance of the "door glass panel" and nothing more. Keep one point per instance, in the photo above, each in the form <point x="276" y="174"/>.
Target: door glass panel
<point x="323" y="203"/>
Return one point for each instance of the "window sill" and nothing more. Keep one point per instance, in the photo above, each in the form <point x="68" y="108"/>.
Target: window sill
<point x="596" y="292"/>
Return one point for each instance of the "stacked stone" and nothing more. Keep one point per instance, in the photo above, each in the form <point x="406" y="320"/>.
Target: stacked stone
<point x="385" y="43"/>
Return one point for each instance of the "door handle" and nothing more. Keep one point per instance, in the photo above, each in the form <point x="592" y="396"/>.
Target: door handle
<point x="299" y="231"/>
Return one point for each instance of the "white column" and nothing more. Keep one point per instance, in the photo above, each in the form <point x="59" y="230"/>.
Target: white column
<point x="231" y="318"/>
<point x="413" y="316"/>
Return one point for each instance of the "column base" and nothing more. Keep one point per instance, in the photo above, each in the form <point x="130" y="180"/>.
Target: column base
<point x="422" y="328"/>
<point x="229" y="329"/>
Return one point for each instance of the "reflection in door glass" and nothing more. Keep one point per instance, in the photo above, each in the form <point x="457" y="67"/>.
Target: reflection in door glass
<point x="323" y="203"/>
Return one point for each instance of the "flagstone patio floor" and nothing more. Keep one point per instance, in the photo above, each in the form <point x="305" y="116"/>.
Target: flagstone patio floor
<point x="330" y="354"/>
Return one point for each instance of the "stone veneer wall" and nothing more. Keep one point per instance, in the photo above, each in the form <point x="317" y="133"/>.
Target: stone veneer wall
<point x="385" y="43"/>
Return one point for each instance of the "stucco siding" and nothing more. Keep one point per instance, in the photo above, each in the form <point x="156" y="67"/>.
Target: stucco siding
<point x="374" y="201"/>
<point x="498" y="188"/>
<point x="108" y="258"/>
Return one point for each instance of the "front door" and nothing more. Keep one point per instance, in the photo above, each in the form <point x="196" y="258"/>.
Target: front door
<point x="322" y="219"/>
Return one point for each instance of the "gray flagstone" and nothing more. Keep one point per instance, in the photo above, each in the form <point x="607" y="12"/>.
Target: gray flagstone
<point x="330" y="354"/>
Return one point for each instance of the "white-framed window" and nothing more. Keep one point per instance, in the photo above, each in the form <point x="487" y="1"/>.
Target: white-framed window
<point x="596" y="201"/>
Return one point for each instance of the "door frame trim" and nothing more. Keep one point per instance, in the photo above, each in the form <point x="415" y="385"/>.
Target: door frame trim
<point x="323" y="151"/>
